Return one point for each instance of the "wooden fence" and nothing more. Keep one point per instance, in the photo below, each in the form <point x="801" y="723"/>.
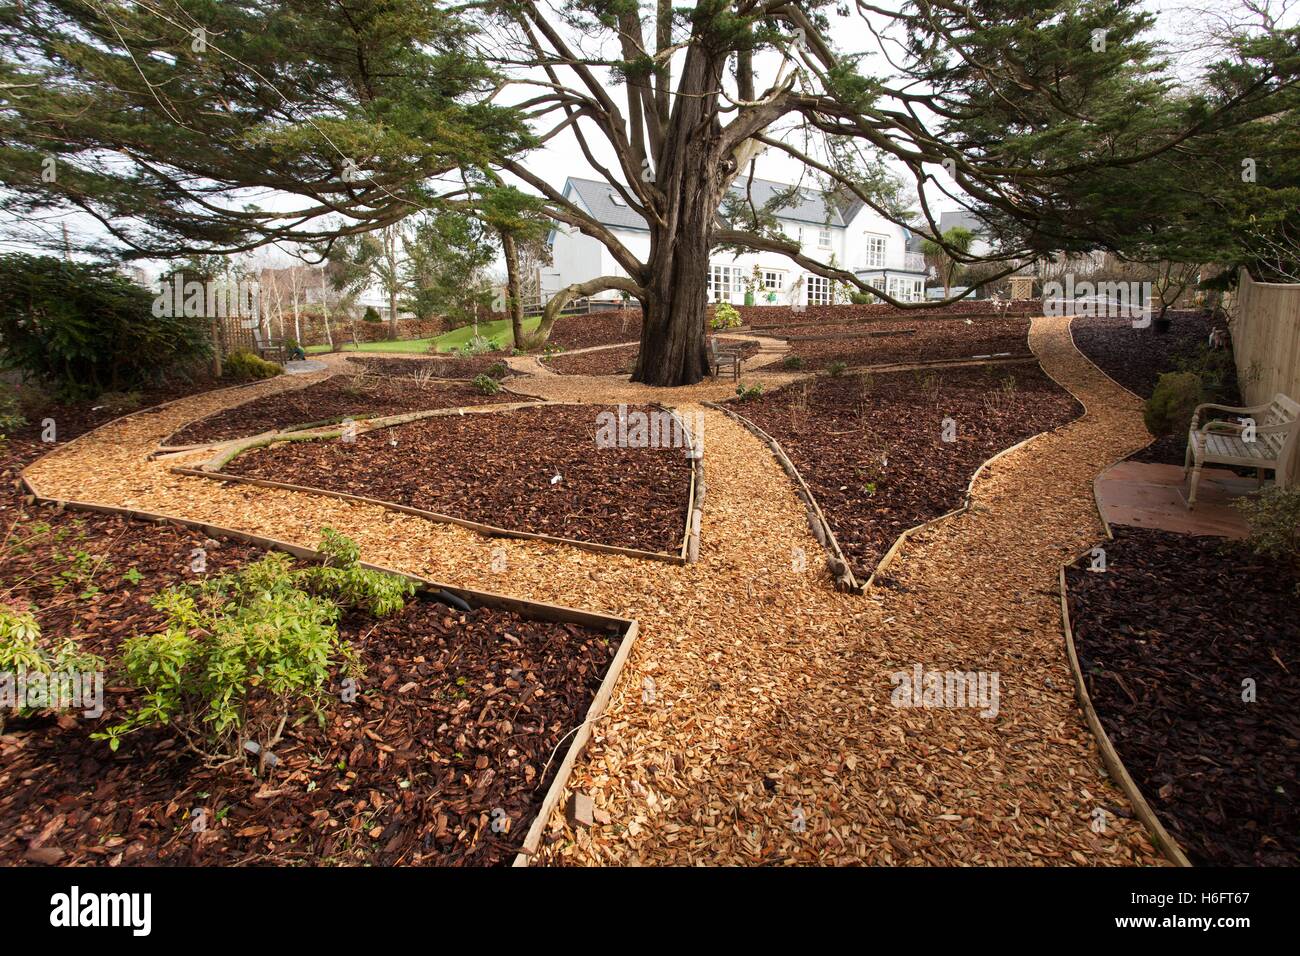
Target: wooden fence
<point x="1266" y="339"/>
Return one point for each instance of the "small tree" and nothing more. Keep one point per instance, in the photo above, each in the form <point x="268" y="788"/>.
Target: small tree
<point x="942" y="256"/>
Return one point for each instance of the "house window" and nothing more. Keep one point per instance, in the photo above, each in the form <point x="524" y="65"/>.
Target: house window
<point x="905" y="290"/>
<point x="818" y="290"/>
<point x="773" y="279"/>
<point x="824" y="238"/>
<point x="615" y="198"/>
<point x="721" y="282"/>
<point x="875" y="253"/>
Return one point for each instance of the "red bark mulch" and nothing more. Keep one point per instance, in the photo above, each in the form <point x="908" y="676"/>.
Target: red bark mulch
<point x="462" y="367"/>
<point x="498" y="469"/>
<point x="870" y="446"/>
<point x="616" y="361"/>
<point x="926" y="341"/>
<point x="450" y="733"/>
<point x="597" y="328"/>
<point x="1166" y="635"/>
<point x="771" y="316"/>
<point x="334" y="398"/>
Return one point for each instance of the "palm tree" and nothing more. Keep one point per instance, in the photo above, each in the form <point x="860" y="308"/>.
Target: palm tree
<point x="959" y="238"/>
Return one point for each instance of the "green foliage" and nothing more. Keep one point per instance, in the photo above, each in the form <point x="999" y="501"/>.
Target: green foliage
<point x="836" y="369"/>
<point x="84" y="329"/>
<point x="792" y="362"/>
<point x="485" y="385"/>
<point x="861" y="298"/>
<point x="243" y="366"/>
<point x="1172" y="404"/>
<point x="498" y="370"/>
<point x="11" y="416"/>
<point x="1274" y="518"/>
<point x="244" y="652"/>
<point x="371" y="315"/>
<point x="747" y="392"/>
<point x="22" y="651"/>
<point x="725" y="316"/>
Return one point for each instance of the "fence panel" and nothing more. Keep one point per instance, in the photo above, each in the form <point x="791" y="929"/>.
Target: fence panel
<point x="1266" y="339"/>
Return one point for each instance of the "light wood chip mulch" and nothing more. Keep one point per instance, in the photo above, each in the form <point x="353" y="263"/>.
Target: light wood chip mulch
<point x="753" y="723"/>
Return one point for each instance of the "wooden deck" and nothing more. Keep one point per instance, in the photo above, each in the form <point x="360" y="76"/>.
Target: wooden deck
<point x="1155" y="496"/>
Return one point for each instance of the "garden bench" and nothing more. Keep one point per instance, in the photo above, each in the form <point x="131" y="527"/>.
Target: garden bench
<point x="273" y="350"/>
<point x="719" y="356"/>
<point x="1276" y="428"/>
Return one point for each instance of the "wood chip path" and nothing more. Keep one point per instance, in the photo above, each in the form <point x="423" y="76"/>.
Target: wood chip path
<point x="753" y="723"/>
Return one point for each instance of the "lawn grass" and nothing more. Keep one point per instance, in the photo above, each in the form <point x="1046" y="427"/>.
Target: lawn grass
<point x="498" y="332"/>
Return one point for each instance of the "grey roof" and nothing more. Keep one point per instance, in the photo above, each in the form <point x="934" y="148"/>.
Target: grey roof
<point x="809" y="206"/>
<point x="963" y="218"/>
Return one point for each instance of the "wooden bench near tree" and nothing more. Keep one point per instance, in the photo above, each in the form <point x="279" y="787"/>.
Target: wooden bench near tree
<point x="1263" y="437"/>
<point x="720" y="356"/>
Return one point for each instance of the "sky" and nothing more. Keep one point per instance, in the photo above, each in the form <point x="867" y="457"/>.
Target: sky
<point x="1180" y="24"/>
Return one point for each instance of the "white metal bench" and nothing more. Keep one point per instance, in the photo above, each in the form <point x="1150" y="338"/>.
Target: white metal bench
<point x="1270" y="444"/>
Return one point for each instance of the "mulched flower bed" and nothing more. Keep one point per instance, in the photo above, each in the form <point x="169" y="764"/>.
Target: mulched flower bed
<point x="870" y="446"/>
<point x="772" y="316"/>
<point x="465" y="367"/>
<point x="498" y="469"/>
<point x="929" y="340"/>
<point x="1166" y="636"/>
<point x="1136" y="358"/>
<point x="597" y="328"/>
<point x="617" y="361"/>
<point x="336" y="397"/>
<point x="451" y="731"/>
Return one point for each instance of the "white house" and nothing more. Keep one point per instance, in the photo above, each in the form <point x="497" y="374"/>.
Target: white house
<point x="853" y="238"/>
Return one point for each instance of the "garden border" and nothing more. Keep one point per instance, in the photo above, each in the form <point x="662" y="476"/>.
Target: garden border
<point x="1109" y="755"/>
<point x="209" y="470"/>
<point x="627" y="628"/>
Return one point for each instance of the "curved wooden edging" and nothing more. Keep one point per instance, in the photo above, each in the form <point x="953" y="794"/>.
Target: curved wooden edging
<point x="627" y="628"/>
<point x="690" y="549"/>
<point x="1109" y="755"/>
<point x="839" y="565"/>
<point x="209" y="470"/>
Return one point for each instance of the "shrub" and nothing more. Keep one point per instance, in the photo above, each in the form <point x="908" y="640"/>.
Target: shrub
<point x="244" y="652"/>
<point x="243" y="366"/>
<point x="861" y="298"/>
<point x="1172" y="404"/>
<point x="725" y="316"/>
<point x="84" y="329"/>
<point x="22" y="652"/>
<point x="1274" y="518"/>
<point x="11" y="416"/>
<point x="485" y="385"/>
<point x="835" y="369"/>
<point x="371" y="315"/>
<point x="498" y="370"/>
<point x="746" y="392"/>
<point x="792" y="362"/>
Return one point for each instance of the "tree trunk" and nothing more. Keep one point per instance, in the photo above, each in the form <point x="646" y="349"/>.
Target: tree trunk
<point x="514" y="296"/>
<point x="691" y="176"/>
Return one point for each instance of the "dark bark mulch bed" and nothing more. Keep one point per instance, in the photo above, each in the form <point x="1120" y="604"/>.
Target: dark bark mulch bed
<point x="498" y="469"/>
<point x="598" y="328"/>
<point x="930" y="340"/>
<point x="1136" y="358"/>
<point x="465" y="367"/>
<point x="451" y="730"/>
<point x="617" y="361"/>
<point x="1166" y="636"/>
<point x="335" y="397"/>
<point x="840" y="431"/>
<point x="771" y="316"/>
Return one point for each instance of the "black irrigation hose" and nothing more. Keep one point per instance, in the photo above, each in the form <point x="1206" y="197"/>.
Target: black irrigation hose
<point x="446" y="597"/>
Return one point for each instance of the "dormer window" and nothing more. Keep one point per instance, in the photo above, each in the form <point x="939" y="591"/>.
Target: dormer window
<point x="615" y="198"/>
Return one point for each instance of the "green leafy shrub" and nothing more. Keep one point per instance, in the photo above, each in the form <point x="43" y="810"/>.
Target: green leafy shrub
<point x="244" y="652"/>
<point x="1274" y="518"/>
<point x="746" y="392"/>
<point x="485" y="385"/>
<point x="861" y="298"/>
<point x="725" y="316"/>
<point x="243" y="366"/>
<point x="371" y="315"/>
<point x="11" y="416"/>
<point x="85" y="329"/>
<point x="23" y="652"/>
<point x="836" y="369"/>
<point x="1172" y="404"/>
<point x="792" y="362"/>
<point x="498" y="370"/>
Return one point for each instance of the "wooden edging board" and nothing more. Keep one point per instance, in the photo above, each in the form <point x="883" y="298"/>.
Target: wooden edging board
<point x="690" y="549"/>
<point x="1109" y="755"/>
<point x="209" y="471"/>
<point x="840" y="568"/>
<point x="626" y="628"/>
